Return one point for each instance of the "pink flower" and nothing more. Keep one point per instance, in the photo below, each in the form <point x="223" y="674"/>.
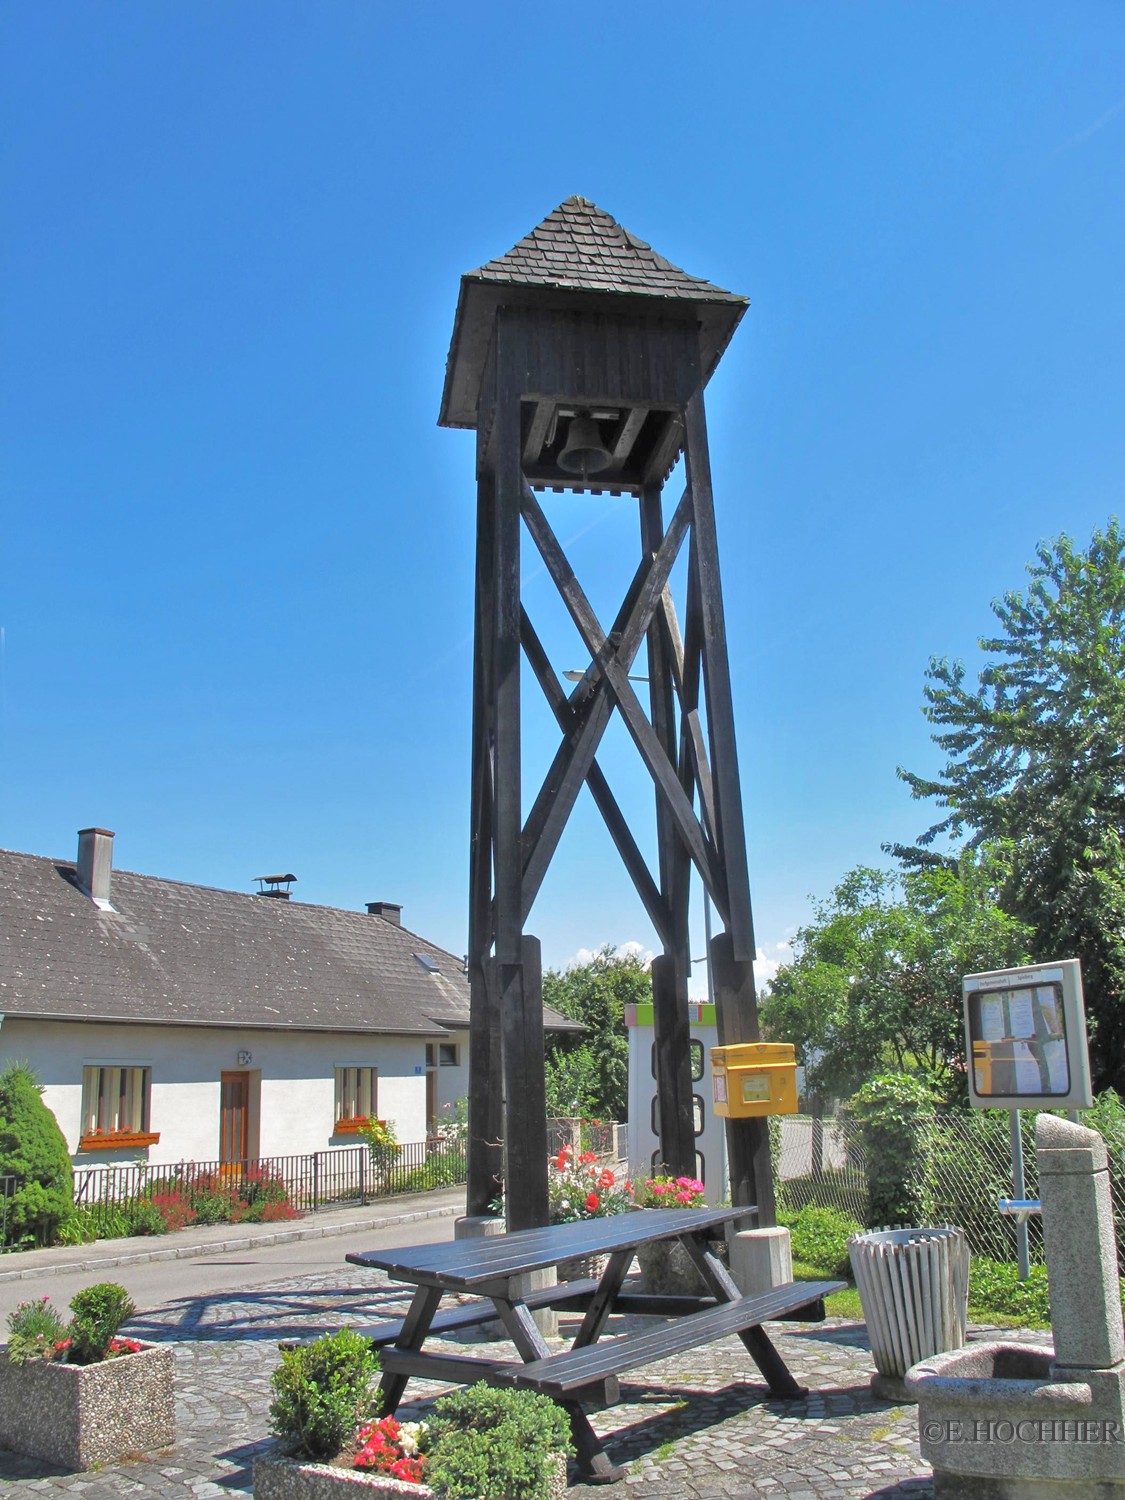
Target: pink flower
<point x="607" y="1179"/>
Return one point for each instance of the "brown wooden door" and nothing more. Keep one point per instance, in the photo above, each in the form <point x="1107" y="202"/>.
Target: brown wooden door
<point x="234" y="1116"/>
<point x="431" y="1100"/>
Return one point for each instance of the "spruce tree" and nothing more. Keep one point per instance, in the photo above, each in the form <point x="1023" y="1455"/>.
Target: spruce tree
<point x="33" y="1151"/>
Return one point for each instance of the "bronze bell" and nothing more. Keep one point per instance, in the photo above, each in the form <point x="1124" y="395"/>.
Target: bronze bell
<point x="584" y="452"/>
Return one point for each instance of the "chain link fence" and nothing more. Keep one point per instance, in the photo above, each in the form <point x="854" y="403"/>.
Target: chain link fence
<point x="823" y="1162"/>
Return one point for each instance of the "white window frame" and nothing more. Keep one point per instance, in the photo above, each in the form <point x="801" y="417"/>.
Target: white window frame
<point x="116" y="1099"/>
<point x="361" y="1087"/>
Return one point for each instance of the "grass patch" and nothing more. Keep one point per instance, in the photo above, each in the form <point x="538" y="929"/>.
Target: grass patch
<point x="843" y="1304"/>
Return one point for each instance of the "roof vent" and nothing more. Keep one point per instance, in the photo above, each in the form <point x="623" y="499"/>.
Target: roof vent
<point x="390" y="911"/>
<point x="276" y="886"/>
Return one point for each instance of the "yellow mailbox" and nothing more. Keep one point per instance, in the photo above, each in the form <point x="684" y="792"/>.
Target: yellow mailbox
<point x="754" y="1078"/>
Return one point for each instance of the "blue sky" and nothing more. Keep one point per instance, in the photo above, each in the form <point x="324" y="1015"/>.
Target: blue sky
<point x="235" y="578"/>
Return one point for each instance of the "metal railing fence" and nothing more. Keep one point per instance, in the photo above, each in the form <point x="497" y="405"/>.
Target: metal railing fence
<point x="215" y="1191"/>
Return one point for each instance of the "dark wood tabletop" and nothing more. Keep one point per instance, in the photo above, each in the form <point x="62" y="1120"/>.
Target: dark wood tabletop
<point x="465" y="1264"/>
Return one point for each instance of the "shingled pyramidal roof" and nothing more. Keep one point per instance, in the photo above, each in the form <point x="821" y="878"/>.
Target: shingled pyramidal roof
<point x="577" y="250"/>
<point x="581" y="247"/>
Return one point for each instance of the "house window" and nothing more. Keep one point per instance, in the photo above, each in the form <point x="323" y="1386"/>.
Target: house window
<point x="356" y="1096"/>
<point x="444" y="1055"/>
<point x="115" y="1101"/>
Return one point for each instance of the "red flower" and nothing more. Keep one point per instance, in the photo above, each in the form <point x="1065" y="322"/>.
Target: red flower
<point x="607" y="1179"/>
<point x="591" y="1203"/>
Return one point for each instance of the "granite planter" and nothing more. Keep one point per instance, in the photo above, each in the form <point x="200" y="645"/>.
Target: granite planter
<point x="80" y="1416"/>
<point x="277" y="1477"/>
<point x="667" y="1270"/>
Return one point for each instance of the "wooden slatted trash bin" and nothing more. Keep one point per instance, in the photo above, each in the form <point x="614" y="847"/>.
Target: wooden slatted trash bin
<point x="914" y="1287"/>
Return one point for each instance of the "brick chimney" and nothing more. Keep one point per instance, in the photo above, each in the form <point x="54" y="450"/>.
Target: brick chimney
<point x="95" y="864"/>
<point x="390" y="911"/>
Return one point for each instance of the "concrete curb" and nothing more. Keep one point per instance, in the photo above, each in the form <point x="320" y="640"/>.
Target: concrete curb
<point x="196" y="1248"/>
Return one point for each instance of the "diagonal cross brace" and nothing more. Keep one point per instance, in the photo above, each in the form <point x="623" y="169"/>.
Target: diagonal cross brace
<point x="610" y="662"/>
<point x="606" y="803"/>
<point x="592" y="705"/>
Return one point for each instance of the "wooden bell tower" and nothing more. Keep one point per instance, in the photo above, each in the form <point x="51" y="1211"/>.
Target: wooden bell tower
<point x="580" y="359"/>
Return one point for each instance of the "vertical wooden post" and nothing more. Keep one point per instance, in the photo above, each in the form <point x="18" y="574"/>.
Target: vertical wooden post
<point x="525" y="1104"/>
<point x="669" y="972"/>
<point x="748" y="1141"/>
<point x="729" y="833"/>
<point x="486" y="1115"/>
<point x="673" y="1064"/>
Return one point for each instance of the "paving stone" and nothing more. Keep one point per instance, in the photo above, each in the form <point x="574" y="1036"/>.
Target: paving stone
<point x="700" y="1426"/>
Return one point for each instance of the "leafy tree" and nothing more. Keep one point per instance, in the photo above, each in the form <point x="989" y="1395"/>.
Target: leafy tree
<point x="33" y="1151"/>
<point x="1036" y="759"/>
<point x="876" y="982"/>
<point x="592" y="1071"/>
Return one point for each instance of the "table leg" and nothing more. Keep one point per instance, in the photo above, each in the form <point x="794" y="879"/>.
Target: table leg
<point x="593" y="1462"/>
<point x="755" y="1340"/>
<point x="415" y="1327"/>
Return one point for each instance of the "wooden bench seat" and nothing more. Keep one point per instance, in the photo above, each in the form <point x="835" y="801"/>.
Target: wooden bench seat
<point x="560" y="1374"/>
<point x="468" y="1314"/>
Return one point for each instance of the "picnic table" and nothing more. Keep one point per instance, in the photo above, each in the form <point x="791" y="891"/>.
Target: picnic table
<point x="497" y="1270"/>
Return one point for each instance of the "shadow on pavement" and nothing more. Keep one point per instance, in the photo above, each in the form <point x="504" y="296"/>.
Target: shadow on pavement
<point x="251" y="1316"/>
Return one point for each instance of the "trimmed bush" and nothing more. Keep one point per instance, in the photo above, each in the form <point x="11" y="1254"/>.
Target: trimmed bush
<point x="33" y="1151"/>
<point x="893" y="1113"/>
<point x="820" y="1237"/>
<point x="491" y="1444"/>
<point x="98" y="1313"/>
<point x="322" y="1392"/>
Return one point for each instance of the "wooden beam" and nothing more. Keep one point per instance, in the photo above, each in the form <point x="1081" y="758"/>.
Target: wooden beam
<point x="729" y="832"/>
<point x="506" y="638"/>
<point x="590" y="707"/>
<point x="701" y="769"/>
<point x="484" y="1151"/>
<point x="626" y="434"/>
<point x="540" y="421"/>
<point x="612" y="664"/>
<point x="576" y="755"/>
<point x="673" y="1063"/>
<point x="604" y="800"/>
<point x="664" y="452"/>
<point x="748" y="1142"/>
<point x="525" y="1101"/>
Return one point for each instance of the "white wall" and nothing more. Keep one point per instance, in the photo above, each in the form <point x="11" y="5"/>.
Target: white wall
<point x="294" y="1071"/>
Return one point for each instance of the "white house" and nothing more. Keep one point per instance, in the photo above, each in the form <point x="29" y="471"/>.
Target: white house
<point x="176" y="1022"/>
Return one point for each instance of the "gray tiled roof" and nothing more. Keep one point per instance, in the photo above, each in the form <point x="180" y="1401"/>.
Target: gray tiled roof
<point x="581" y="247"/>
<point x="187" y="954"/>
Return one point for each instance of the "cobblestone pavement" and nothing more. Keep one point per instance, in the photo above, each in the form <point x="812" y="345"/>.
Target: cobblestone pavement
<point x="698" y="1426"/>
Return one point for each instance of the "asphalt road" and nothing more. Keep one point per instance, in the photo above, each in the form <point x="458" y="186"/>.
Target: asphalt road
<point x="153" y="1284"/>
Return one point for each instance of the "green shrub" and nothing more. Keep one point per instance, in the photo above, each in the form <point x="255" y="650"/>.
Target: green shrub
<point x="34" y="1329"/>
<point x="893" y="1113"/>
<point x="996" y="1290"/>
<point x="491" y="1444"/>
<point x="382" y="1145"/>
<point x="98" y="1313"/>
<point x="444" y="1167"/>
<point x="33" y="1151"/>
<point x="143" y="1217"/>
<point x="820" y="1237"/>
<point x="80" y="1228"/>
<point x="322" y="1392"/>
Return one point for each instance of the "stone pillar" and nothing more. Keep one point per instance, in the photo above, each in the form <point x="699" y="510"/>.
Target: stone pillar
<point x="760" y="1259"/>
<point x="1080" y="1245"/>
